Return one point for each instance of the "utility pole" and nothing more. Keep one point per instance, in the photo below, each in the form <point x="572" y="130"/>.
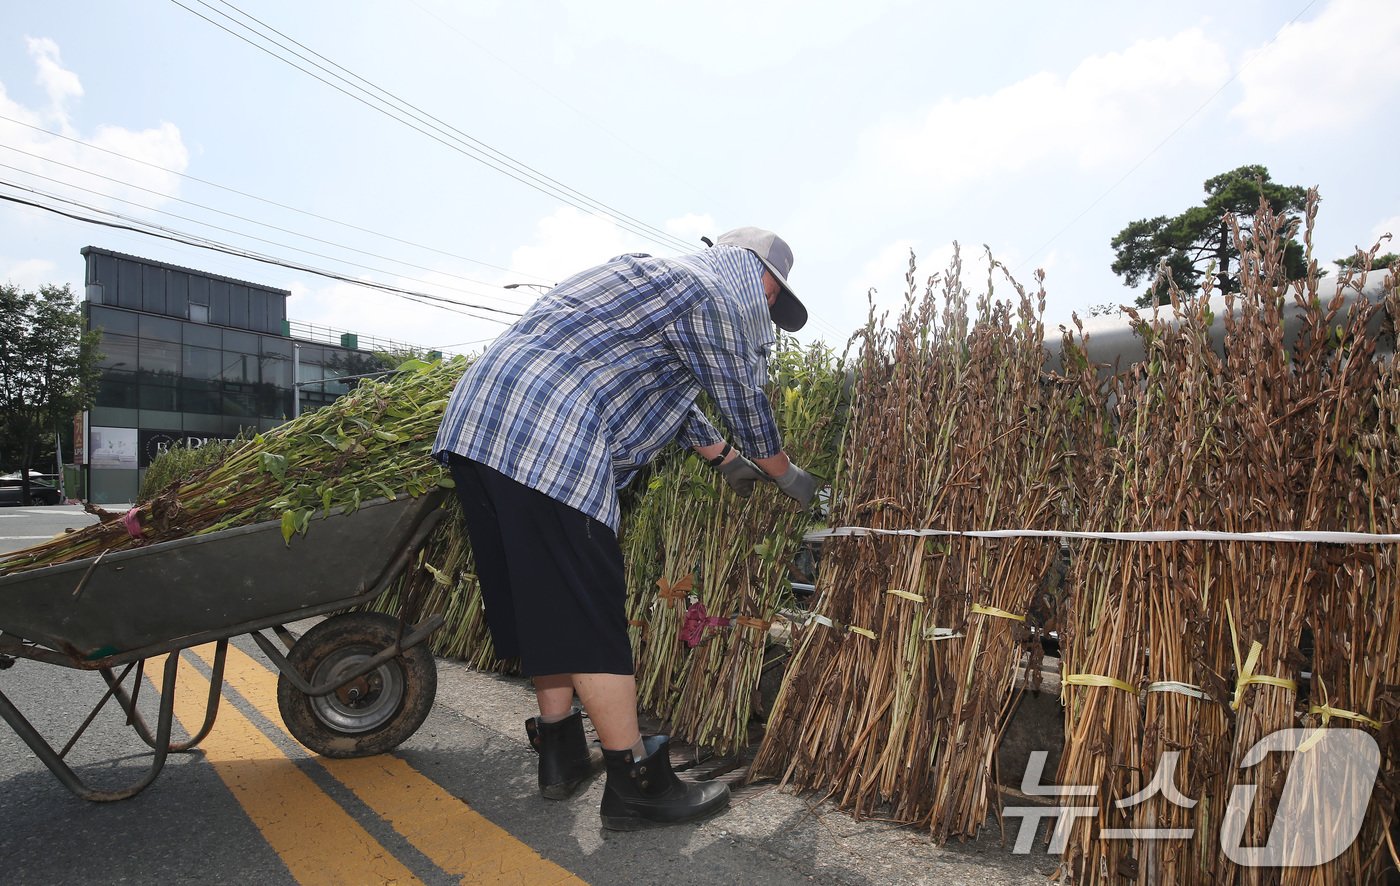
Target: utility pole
<point x="296" y="373"/>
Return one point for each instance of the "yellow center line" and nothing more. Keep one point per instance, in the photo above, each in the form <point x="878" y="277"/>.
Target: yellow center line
<point x="317" y="839"/>
<point x="456" y="838"/>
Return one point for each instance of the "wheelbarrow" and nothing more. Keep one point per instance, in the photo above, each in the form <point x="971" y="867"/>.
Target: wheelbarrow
<point x="355" y="684"/>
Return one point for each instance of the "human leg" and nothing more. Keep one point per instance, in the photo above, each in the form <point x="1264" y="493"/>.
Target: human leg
<point x="568" y="590"/>
<point x="557" y="735"/>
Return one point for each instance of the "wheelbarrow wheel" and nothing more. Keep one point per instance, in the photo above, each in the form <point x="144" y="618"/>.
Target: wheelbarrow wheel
<point x="370" y="714"/>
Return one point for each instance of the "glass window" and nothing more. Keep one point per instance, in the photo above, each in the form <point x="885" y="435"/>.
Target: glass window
<point x="160" y="328"/>
<point x="240" y="341"/>
<point x="203" y="336"/>
<point x="111" y="321"/>
<point x="200" y="395"/>
<point x="203" y="363"/>
<point x="279" y="346"/>
<point x="274" y="402"/>
<point x="310" y="372"/>
<point x="159" y="397"/>
<point x="241" y="368"/>
<point x="240" y="400"/>
<point x="199" y="313"/>
<point x="116" y="390"/>
<point x="277" y="371"/>
<point x="118" y="352"/>
<point x="335" y="388"/>
<point x="160" y="357"/>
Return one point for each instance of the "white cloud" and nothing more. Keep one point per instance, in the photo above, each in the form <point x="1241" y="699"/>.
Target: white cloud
<point x="59" y="83"/>
<point x="570" y="240"/>
<point x="1109" y="110"/>
<point x="1338" y="68"/>
<point x="722" y="37"/>
<point x="692" y="226"/>
<point x="60" y="157"/>
<point x="28" y="274"/>
<point x="883" y="272"/>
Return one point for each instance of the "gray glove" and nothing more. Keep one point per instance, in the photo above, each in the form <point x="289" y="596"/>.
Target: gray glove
<point x="741" y="474"/>
<point x="798" y="485"/>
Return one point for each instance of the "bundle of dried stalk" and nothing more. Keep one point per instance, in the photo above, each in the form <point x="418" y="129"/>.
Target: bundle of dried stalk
<point x="1005" y="463"/>
<point x="831" y="728"/>
<point x="949" y="429"/>
<point x="1291" y="423"/>
<point x="1251" y="441"/>
<point x="1356" y="655"/>
<point x="699" y="555"/>
<point x="747" y="553"/>
<point x="1139" y="613"/>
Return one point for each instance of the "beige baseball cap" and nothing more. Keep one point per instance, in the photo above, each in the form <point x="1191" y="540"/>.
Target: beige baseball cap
<point x="776" y="255"/>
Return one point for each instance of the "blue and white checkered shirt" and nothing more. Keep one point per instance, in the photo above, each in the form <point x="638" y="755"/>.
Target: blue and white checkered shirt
<point x="603" y="371"/>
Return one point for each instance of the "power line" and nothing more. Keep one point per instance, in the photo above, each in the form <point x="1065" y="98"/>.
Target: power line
<point x="485" y="50"/>
<point x="213" y="184"/>
<point x="415" y="118"/>
<point x="240" y="218"/>
<point x="152" y="230"/>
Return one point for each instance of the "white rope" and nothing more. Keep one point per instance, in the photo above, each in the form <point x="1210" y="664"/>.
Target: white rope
<point x="1327" y="538"/>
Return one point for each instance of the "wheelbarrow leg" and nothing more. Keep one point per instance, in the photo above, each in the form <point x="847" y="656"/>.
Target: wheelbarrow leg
<point x="45" y="752"/>
<point x="211" y="711"/>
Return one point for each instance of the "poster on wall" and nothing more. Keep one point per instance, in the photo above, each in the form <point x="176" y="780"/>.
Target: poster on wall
<point x="112" y="448"/>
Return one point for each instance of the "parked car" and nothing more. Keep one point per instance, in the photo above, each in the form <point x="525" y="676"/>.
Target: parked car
<point x="41" y="491"/>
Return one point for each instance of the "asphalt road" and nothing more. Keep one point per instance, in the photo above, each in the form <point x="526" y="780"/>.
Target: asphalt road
<point x="455" y="803"/>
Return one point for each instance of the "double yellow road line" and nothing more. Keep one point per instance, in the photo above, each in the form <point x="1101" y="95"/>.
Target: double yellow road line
<point x="318" y="839"/>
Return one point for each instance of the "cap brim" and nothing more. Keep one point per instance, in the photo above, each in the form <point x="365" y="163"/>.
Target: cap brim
<point x="787" y="311"/>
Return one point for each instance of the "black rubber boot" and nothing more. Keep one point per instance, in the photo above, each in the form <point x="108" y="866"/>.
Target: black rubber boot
<point x="566" y="760"/>
<point x="646" y="793"/>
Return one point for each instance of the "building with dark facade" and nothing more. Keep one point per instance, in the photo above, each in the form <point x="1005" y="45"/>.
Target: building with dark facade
<point x="190" y="356"/>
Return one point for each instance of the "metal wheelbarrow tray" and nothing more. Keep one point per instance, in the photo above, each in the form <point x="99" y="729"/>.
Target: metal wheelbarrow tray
<point x="356" y="684"/>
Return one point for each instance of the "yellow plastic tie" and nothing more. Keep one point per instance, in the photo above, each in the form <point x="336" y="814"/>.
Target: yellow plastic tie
<point x="1098" y="680"/>
<point x="917" y="598"/>
<point x="999" y="613"/>
<point x="1245" y="671"/>
<point x="1328" y="712"/>
<point x="862" y="631"/>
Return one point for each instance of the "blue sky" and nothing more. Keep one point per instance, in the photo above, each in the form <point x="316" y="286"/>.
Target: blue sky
<point x="857" y="131"/>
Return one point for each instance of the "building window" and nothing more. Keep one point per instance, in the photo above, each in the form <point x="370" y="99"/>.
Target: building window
<point x="199" y="313"/>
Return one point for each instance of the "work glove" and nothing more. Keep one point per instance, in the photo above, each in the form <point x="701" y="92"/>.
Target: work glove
<point x="798" y="485"/>
<point x="741" y="474"/>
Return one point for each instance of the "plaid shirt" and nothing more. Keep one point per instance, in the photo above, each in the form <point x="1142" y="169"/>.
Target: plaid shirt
<point x="603" y="371"/>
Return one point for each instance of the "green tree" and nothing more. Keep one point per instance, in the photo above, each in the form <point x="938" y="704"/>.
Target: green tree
<point x="48" y="368"/>
<point x="1198" y="241"/>
<point x="1379" y="263"/>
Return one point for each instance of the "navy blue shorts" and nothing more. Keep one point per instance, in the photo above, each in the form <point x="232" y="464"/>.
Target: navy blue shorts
<point x="551" y="576"/>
